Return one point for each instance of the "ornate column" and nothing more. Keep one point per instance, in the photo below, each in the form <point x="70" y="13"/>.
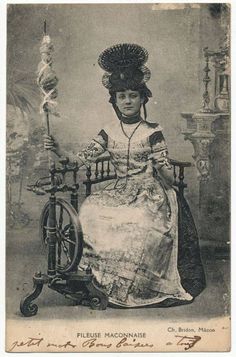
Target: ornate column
<point x="199" y="133"/>
<point x="208" y="131"/>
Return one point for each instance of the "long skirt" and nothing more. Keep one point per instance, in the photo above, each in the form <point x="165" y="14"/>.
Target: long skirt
<point x="142" y="244"/>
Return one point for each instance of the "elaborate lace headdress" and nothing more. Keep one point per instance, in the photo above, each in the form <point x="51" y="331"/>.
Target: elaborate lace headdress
<point x="124" y="67"/>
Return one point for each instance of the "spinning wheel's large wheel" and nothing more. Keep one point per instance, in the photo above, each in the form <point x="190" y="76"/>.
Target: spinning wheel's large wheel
<point x="69" y="243"/>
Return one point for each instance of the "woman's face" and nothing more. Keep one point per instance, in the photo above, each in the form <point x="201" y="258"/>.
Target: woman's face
<point x="129" y="102"/>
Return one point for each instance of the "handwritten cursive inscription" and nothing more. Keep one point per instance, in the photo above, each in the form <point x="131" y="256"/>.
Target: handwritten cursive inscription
<point x="124" y="342"/>
<point x="187" y="341"/>
<point x="65" y="345"/>
<point x="89" y="343"/>
<point x="134" y="343"/>
<point x="31" y="341"/>
<point x="92" y="342"/>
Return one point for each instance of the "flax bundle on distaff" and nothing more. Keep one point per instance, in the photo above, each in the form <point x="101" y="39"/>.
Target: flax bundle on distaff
<point x="47" y="81"/>
<point x="140" y="238"/>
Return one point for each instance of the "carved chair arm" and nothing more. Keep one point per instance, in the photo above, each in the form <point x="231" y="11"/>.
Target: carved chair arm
<point x="180" y="163"/>
<point x="180" y="174"/>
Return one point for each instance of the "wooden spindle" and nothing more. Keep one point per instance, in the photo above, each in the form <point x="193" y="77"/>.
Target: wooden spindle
<point x="102" y="170"/>
<point x="96" y="171"/>
<point x="52" y="237"/>
<point x="88" y="181"/>
<point x="60" y="222"/>
<point x="74" y="193"/>
<point x="75" y="172"/>
<point x="108" y="168"/>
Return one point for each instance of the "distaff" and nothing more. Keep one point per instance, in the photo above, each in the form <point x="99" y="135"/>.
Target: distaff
<point x="47" y="82"/>
<point x="47" y="79"/>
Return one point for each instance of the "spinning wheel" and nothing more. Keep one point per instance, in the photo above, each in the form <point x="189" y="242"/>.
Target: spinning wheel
<point x="60" y="229"/>
<point x="61" y="233"/>
<point x="69" y="237"/>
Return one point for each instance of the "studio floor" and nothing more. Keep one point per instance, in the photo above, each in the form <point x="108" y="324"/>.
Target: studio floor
<point x="25" y="256"/>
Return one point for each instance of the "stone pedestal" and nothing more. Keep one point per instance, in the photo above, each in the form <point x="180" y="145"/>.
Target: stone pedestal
<point x="209" y="134"/>
<point x="208" y="131"/>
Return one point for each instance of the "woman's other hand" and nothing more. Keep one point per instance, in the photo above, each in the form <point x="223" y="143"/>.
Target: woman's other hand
<point x="165" y="170"/>
<point x="163" y="162"/>
<point x="51" y="144"/>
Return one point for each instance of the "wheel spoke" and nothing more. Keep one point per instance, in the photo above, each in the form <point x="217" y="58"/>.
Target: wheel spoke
<point x="68" y="240"/>
<point x="66" y="228"/>
<point x="65" y="249"/>
<point x="59" y="253"/>
<point x="59" y="266"/>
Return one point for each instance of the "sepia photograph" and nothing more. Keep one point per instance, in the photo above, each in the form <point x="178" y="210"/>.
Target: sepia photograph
<point x="118" y="177"/>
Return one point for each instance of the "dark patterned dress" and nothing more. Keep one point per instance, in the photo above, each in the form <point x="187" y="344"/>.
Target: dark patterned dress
<point x="140" y="239"/>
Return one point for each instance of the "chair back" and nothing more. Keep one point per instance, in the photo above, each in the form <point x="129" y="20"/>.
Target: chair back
<point x="103" y="170"/>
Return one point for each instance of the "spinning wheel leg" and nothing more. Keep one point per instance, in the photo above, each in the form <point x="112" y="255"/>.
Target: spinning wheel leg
<point x="26" y="307"/>
<point x="98" y="300"/>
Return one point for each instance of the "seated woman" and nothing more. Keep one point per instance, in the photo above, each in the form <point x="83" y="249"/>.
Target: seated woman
<point x="139" y="237"/>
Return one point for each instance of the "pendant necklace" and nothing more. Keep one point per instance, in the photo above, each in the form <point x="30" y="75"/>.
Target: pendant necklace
<point x="129" y="137"/>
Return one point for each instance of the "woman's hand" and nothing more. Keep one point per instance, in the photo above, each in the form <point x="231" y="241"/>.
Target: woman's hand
<point x="165" y="170"/>
<point x="51" y="144"/>
<point x="162" y="162"/>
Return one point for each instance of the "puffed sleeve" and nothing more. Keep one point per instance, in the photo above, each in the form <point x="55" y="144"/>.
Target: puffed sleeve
<point x="97" y="146"/>
<point x="159" y="148"/>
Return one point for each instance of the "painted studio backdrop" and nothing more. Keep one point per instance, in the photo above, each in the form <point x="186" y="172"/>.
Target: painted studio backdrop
<point x="188" y="46"/>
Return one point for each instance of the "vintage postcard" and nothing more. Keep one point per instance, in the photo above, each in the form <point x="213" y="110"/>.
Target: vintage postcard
<point x="118" y="177"/>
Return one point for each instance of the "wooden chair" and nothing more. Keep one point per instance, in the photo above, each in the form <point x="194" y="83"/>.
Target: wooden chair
<point x="103" y="170"/>
<point x="59" y="226"/>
